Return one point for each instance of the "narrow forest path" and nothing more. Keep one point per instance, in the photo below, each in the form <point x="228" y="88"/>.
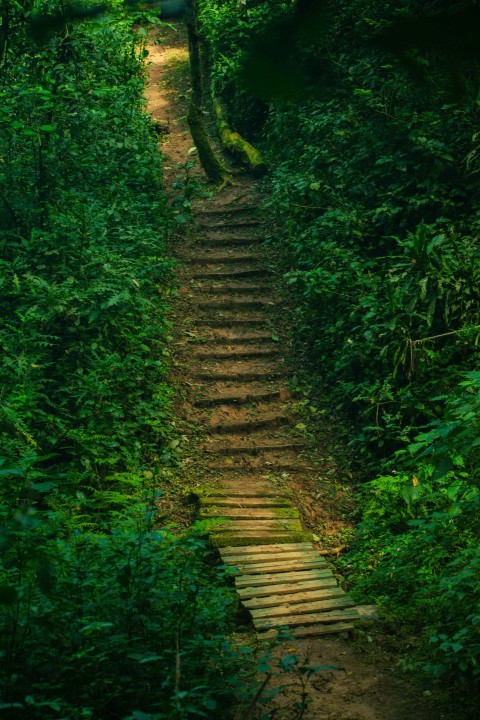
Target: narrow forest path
<point x="246" y="445"/>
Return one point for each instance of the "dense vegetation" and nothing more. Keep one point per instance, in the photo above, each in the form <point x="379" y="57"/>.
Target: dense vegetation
<point x="369" y="114"/>
<point x="102" y="614"/>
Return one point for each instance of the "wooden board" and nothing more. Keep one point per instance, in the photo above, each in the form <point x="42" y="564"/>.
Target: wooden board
<point x="274" y="578"/>
<point x="296" y="597"/>
<point x="286" y="588"/>
<point x="312" y="631"/>
<point x="246" y="560"/>
<point x="282" y="566"/>
<point x="241" y="501"/>
<point x="264" y="549"/>
<point x="307" y="619"/>
<point x="309" y="607"/>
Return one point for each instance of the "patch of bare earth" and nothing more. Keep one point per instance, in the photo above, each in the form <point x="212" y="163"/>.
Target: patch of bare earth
<point x="248" y="456"/>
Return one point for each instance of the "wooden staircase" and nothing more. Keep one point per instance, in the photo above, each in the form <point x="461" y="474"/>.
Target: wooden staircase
<point x="237" y="366"/>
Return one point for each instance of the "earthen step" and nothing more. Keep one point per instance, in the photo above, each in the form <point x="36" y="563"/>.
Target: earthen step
<point x="247" y="488"/>
<point x="275" y="462"/>
<point x="234" y="287"/>
<point x="312" y="631"/>
<point x="248" y="425"/>
<point x="234" y="303"/>
<point x="232" y="318"/>
<point x="238" y="271"/>
<point x="227" y="240"/>
<point x="237" y="397"/>
<point x="238" y="375"/>
<point x="243" y="501"/>
<point x="224" y="258"/>
<point x="234" y="208"/>
<point x="227" y="352"/>
<point x="248" y="446"/>
<point x="273" y="524"/>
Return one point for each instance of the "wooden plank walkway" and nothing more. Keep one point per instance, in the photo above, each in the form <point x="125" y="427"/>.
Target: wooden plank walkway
<point x="238" y="368"/>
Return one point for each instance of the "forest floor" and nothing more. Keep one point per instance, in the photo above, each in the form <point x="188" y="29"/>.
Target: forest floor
<point x="370" y="687"/>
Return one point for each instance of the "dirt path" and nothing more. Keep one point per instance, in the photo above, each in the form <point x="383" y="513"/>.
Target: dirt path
<point x="248" y="452"/>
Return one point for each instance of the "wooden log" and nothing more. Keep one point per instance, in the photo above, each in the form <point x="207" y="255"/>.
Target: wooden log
<point x="235" y="144"/>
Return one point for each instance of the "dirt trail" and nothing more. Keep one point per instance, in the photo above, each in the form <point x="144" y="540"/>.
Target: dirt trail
<point x="250" y="455"/>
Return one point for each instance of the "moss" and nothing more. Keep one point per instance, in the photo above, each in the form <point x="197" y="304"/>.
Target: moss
<point x="234" y="143"/>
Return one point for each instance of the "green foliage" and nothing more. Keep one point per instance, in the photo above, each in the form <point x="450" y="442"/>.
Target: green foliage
<point x="375" y="189"/>
<point x="84" y="267"/>
<point x="127" y="624"/>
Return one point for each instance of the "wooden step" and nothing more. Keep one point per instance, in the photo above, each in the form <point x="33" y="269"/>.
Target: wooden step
<point x="251" y="581"/>
<point x="240" y="501"/>
<point x="266" y="549"/>
<point x="308" y="607"/>
<point x="254" y="524"/>
<point x="286" y="587"/>
<point x="257" y="537"/>
<point x="267" y="558"/>
<point x="285" y="566"/>
<point x="311" y="595"/>
<point x="247" y="513"/>
<point x="333" y="616"/>
<point x="312" y="631"/>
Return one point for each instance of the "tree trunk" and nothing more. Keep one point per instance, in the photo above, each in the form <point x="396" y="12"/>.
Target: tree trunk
<point x="214" y="169"/>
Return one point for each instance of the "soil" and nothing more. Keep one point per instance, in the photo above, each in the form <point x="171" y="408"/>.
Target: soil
<point x="241" y="419"/>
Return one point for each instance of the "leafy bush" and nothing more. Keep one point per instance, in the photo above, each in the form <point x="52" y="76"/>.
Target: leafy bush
<point x="128" y="624"/>
<point x="84" y="264"/>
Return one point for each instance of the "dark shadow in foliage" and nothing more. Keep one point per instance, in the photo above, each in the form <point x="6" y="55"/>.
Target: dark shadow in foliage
<point x="451" y="36"/>
<point x="273" y="68"/>
<point x="41" y="26"/>
<point x="276" y="65"/>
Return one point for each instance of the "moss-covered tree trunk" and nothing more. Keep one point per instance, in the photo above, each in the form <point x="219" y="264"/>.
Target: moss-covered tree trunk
<point x="214" y="169"/>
